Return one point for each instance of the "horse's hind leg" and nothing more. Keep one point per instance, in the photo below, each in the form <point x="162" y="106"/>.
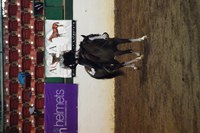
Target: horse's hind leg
<point x="130" y="63"/>
<point x="120" y="52"/>
<point x="117" y="41"/>
<point x="136" y="53"/>
<point x="132" y="66"/>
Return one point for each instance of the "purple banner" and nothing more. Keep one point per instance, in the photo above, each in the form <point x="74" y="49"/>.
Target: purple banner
<point x="61" y="108"/>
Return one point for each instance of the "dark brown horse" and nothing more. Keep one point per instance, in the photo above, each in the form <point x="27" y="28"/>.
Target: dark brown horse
<point x="98" y="54"/>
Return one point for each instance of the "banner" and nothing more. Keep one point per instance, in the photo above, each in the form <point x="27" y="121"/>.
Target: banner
<point x="61" y="113"/>
<point x="60" y="37"/>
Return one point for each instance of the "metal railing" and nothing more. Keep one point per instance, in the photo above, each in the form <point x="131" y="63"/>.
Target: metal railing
<point x="1" y="95"/>
<point x="2" y="101"/>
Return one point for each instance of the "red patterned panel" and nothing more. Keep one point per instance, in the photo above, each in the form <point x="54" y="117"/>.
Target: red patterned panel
<point x="26" y="128"/>
<point x="25" y="4"/>
<point x="13" y="71"/>
<point x="25" y="18"/>
<point x="13" y="56"/>
<point x="14" y="117"/>
<point x="40" y="130"/>
<point x="26" y="34"/>
<point x="25" y="111"/>
<point x="39" y="26"/>
<point x="39" y="88"/>
<point x="26" y="95"/>
<point x="39" y="103"/>
<point x="39" y="120"/>
<point x="14" y="102"/>
<point x="39" y="41"/>
<point x="13" y="25"/>
<point x="12" y="10"/>
<point x="40" y="57"/>
<point x="13" y="40"/>
<point x="13" y="88"/>
<point x="26" y="64"/>
<point x="26" y="49"/>
<point x="12" y="130"/>
<point x="39" y="72"/>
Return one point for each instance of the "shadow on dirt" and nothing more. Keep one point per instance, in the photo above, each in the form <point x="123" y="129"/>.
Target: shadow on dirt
<point x="143" y="74"/>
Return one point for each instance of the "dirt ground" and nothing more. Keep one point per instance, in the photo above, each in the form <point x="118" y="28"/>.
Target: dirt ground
<point x="164" y="96"/>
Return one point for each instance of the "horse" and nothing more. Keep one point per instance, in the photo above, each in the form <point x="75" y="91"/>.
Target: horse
<point x="55" y="33"/>
<point x="98" y="54"/>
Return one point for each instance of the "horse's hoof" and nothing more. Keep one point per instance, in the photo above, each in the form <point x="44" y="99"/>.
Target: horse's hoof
<point x="144" y="37"/>
<point x="135" y="68"/>
<point x="140" y="57"/>
<point x="135" y="53"/>
<point x="138" y="54"/>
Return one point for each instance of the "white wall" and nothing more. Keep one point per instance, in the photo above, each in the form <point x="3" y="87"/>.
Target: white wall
<point x="96" y="97"/>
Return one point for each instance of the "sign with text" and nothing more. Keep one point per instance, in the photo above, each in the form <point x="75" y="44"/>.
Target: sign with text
<point x="60" y="37"/>
<point x="61" y="108"/>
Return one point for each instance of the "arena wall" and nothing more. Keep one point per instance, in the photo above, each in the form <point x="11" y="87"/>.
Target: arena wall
<point x="96" y="97"/>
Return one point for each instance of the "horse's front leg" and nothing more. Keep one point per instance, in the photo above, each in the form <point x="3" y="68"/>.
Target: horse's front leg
<point x="138" y="39"/>
<point x="121" y="40"/>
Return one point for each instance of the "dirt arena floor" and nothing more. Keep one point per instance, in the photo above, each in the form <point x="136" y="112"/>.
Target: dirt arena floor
<point x="164" y="96"/>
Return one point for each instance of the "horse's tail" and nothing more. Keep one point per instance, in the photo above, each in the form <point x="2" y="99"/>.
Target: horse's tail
<point x="113" y="74"/>
<point x="108" y="75"/>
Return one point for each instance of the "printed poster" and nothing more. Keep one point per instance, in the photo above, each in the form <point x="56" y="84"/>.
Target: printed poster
<point x="60" y="37"/>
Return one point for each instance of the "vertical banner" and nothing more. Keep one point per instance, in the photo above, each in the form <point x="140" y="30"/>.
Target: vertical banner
<point x="61" y="108"/>
<point x="60" y="37"/>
